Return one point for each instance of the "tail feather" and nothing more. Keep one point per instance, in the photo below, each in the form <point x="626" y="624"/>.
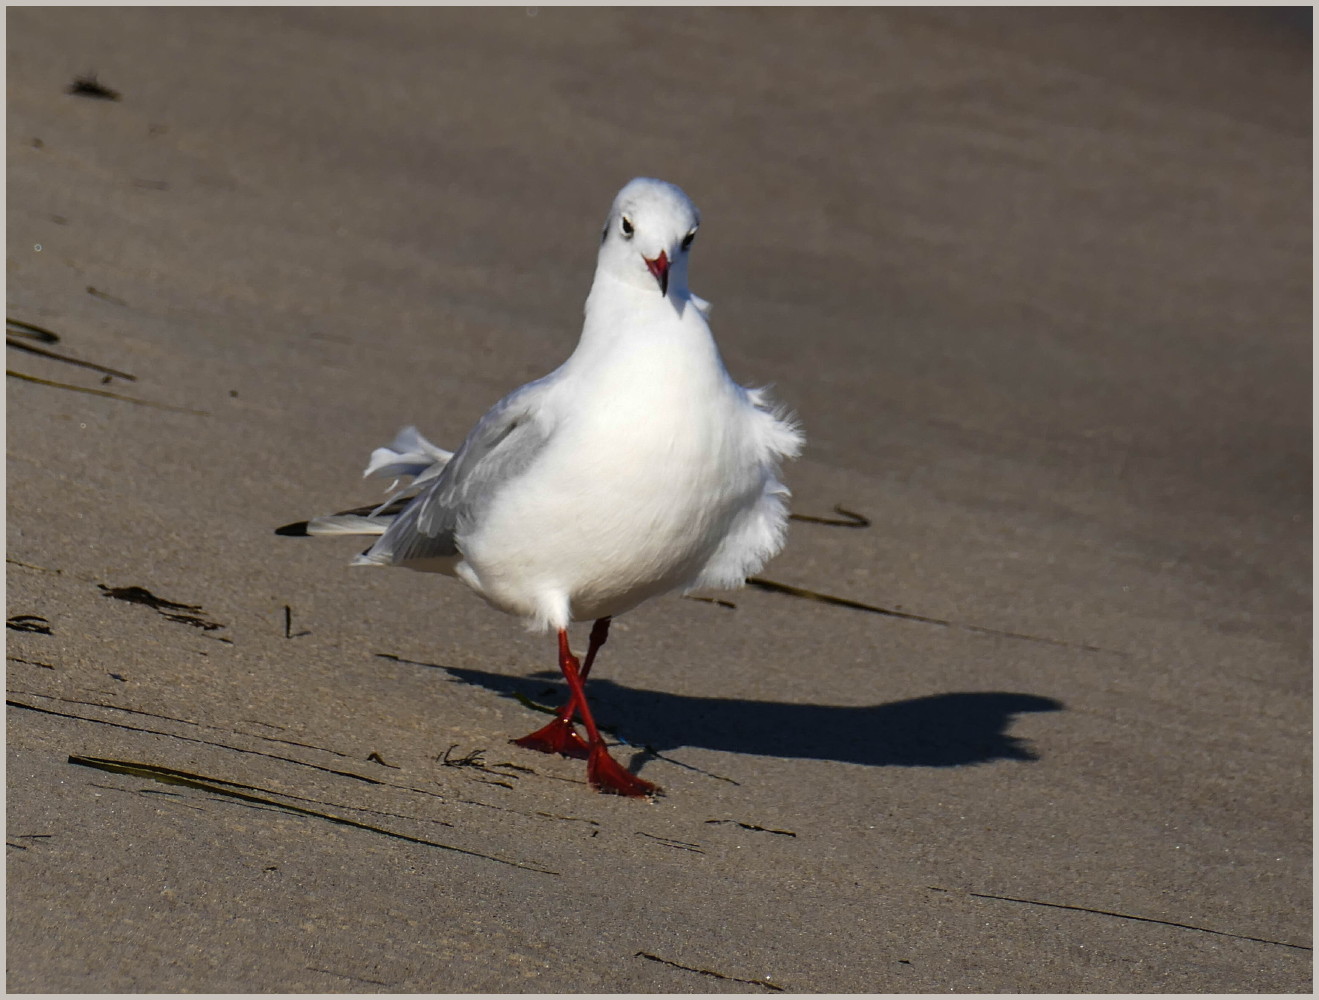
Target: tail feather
<point x="409" y="455"/>
<point x="347" y="524"/>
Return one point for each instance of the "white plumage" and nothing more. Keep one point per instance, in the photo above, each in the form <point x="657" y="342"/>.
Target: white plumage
<point x="636" y="468"/>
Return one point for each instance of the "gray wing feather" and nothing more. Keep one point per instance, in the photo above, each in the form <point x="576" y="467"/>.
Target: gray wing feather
<point x="502" y="444"/>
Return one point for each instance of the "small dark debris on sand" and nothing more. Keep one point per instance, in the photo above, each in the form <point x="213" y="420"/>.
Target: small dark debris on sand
<point x="89" y="86"/>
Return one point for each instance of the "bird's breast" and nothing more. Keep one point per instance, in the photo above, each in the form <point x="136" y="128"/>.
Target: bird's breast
<point x="637" y="486"/>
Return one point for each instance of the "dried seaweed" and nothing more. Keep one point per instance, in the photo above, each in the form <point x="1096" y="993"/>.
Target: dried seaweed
<point x="1127" y="916"/>
<point x="847" y="519"/>
<point x="21" y="329"/>
<point x="29" y="623"/>
<point x="172" y="610"/>
<point x="710" y="972"/>
<point x="773" y="586"/>
<point x="752" y="826"/>
<point x="106" y="393"/>
<point x="216" y="786"/>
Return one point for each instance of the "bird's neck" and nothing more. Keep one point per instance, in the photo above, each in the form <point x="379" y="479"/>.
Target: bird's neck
<point x="612" y="298"/>
<point x="619" y="313"/>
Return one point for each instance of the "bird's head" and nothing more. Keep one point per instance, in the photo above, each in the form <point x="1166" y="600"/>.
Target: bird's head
<point x="647" y="236"/>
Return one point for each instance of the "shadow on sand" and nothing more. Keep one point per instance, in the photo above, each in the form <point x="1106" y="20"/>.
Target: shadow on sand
<point x="942" y="730"/>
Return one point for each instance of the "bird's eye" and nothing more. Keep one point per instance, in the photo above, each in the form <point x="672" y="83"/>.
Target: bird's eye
<point x="687" y="240"/>
<point x="627" y="227"/>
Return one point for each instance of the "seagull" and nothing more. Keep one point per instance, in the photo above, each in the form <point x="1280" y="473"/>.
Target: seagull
<point x="636" y="468"/>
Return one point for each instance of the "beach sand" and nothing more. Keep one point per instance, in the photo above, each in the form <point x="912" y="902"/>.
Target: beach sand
<point x="1038" y="284"/>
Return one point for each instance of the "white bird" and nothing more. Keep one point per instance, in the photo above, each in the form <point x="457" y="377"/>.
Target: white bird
<point x="636" y="468"/>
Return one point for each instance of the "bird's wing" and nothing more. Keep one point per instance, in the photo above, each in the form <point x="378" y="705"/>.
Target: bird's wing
<point x="758" y="531"/>
<point x="500" y="447"/>
<point x="409" y="454"/>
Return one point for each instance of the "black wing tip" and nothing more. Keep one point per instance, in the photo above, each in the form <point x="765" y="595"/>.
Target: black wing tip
<point x="297" y="529"/>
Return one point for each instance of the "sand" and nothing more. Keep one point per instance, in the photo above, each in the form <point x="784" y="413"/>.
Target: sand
<point x="1037" y="283"/>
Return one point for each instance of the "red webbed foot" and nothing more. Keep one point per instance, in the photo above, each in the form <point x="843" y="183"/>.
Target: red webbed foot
<point x="606" y="775"/>
<point x="558" y="737"/>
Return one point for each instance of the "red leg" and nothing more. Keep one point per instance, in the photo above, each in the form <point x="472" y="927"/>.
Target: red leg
<point x="599" y="636"/>
<point x="559" y="736"/>
<point x="602" y="771"/>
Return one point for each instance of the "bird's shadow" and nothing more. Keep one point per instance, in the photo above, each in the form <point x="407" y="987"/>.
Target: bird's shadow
<point x="941" y="730"/>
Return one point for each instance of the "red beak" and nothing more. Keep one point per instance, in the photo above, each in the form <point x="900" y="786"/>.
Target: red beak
<point x="659" y="267"/>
